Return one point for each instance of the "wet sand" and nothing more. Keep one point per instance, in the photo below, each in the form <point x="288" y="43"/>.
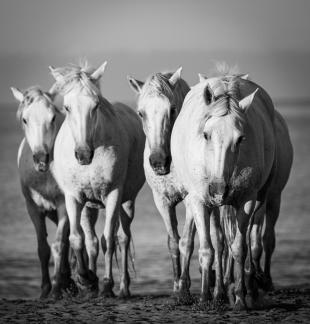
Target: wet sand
<point x="290" y="305"/>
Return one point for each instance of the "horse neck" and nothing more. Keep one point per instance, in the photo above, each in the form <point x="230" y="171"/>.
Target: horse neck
<point x="181" y="92"/>
<point x="106" y="118"/>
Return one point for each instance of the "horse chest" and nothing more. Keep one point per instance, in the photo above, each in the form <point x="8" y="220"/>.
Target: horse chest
<point x="166" y="185"/>
<point x="43" y="191"/>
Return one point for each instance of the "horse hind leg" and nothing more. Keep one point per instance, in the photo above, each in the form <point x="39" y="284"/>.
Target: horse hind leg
<point x="269" y="238"/>
<point x="44" y="251"/>
<point x="124" y="236"/>
<point x="256" y="244"/>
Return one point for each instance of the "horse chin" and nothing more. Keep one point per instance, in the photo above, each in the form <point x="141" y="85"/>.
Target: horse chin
<point x="41" y="167"/>
<point x="218" y="201"/>
<point x="161" y="171"/>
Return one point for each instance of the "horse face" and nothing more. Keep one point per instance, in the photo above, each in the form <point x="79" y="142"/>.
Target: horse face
<point x="223" y="137"/>
<point x="158" y="116"/>
<point x="38" y="119"/>
<point x="81" y="114"/>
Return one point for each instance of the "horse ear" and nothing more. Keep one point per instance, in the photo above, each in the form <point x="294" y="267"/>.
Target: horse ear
<point x="18" y="95"/>
<point x="244" y="76"/>
<point x="209" y="95"/>
<point x="202" y="77"/>
<point x="56" y="74"/>
<point x="52" y="92"/>
<point x="135" y="84"/>
<point x="176" y="76"/>
<point x="96" y="75"/>
<point x="246" y="102"/>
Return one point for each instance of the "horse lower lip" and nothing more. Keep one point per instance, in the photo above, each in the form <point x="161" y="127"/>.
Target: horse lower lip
<point x="161" y="171"/>
<point x="42" y="167"/>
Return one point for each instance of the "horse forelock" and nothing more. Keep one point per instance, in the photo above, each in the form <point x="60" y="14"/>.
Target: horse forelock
<point x="158" y="85"/>
<point x="31" y="95"/>
<point x="76" y="77"/>
<point x="225" y="102"/>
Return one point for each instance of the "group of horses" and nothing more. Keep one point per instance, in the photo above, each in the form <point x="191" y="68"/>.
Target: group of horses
<point x="219" y="146"/>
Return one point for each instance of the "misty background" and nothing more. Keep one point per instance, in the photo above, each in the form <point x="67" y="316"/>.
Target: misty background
<point x="270" y="39"/>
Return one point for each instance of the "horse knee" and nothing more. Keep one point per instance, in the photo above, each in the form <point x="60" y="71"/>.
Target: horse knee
<point x="76" y="241"/>
<point x="123" y="240"/>
<point x="206" y="257"/>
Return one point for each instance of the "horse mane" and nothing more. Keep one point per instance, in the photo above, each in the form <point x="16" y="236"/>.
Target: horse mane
<point x="158" y="85"/>
<point x="73" y="76"/>
<point x="225" y="88"/>
<point x="32" y="94"/>
<point x="224" y="69"/>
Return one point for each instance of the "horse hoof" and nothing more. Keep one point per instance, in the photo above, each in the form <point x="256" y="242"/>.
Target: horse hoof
<point x="107" y="293"/>
<point x="107" y="290"/>
<point x="231" y="294"/>
<point x="46" y="289"/>
<point x="205" y="298"/>
<point x="220" y="297"/>
<point x="87" y="285"/>
<point x="239" y="305"/>
<point x="124" y="293"/>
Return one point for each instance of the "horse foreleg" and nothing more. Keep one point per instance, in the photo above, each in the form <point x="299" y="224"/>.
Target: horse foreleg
<point x="167" y="211"/>
<point x="88" y="222"/>
<point x="218" y="243"/>
<point x="186" y="249"/>
<point x="239" y="252"/>
<point x="86" y="280"/>
<point x="60" y="249"/>
<point x="269" y="238"/>
<point x="44" y="250"/>
<point x="206" y="251"/>
<point x="124" y="236"/>
<point x="113" y="203"/>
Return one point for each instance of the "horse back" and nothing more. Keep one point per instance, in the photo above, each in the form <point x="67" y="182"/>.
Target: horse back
<point x="283" y="156"/>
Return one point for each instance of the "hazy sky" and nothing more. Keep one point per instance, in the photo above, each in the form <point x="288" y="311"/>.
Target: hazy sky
<point x="268" y="38"/>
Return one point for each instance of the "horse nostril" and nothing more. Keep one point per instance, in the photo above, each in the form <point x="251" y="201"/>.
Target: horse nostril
<point x="218" y="188"/>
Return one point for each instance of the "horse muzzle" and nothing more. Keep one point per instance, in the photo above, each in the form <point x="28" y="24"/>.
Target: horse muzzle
<point x="84" y="156"/>
<point x="41" y="161"/>
<point x="218" y="191"/>
<point x="160" y="164"/>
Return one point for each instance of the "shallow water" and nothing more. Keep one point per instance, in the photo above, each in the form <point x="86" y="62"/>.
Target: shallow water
<point x="19" y="264"/>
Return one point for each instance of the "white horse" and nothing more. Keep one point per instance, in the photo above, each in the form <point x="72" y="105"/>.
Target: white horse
<point x="223" y="148"/>
<point x="40" y="122"/>
<point x="159" y="103"/>
<point x="98" y="162"/>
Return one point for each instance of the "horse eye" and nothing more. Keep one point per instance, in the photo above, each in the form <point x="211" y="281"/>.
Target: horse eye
<point x="173" y="109"/>
<point x="240" y="139"/>
<point x="66" y="108"/>
<point x="53" y="119"/>
<point x="24" y="121"/>
<point x="207" y="136"/>
<point x="140" y="114"/>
